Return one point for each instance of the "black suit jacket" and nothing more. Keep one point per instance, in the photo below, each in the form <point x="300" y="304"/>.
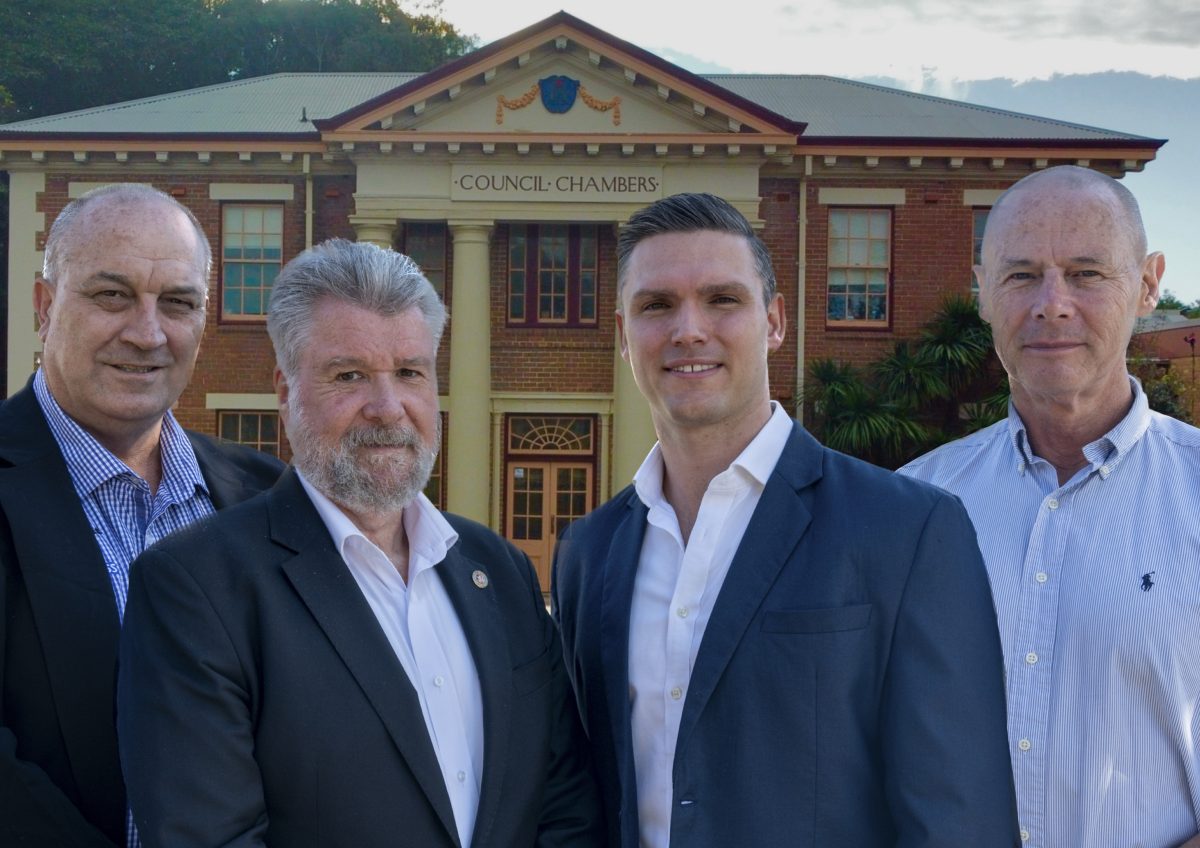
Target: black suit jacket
<point x="260" y="702"/>
<point x="848" y="690"/>
<point x="60" y="780"/>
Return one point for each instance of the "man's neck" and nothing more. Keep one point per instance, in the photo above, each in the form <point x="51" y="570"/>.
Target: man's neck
<point x="386" y="532"/>
<point x="142" y="453"/>
<point x="692" y="458"/>
<point x="1058" y="430"/>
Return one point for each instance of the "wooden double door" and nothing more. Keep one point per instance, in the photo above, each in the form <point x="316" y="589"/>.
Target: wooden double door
<point x="543" y="498"/>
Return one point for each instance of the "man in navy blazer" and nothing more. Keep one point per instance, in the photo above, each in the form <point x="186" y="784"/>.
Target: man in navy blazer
<point x="121" y="308"/>
<point x="771" y="643"/>
<point x="336" y="662"/>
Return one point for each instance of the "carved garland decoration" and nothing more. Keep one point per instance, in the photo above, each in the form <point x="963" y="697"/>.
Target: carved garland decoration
<point x="528" y="97"/>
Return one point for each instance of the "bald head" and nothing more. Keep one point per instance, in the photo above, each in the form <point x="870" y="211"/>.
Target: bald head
<point x="1068" y="178"/>
<point x="111" y="199"/>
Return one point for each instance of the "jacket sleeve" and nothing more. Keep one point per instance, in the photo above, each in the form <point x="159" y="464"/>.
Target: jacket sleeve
<point x="184" y="717"/>
<point x="944" y="727"/>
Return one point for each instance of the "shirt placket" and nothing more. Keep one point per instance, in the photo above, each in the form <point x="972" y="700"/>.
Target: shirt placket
<point x="1030" y="666"/>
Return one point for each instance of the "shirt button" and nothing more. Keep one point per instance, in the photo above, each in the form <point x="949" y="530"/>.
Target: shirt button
<point x="1105" y="471"/>
<point x="1041" y="577"/>
<point x="1024" y="745"/>
<point x="682" y="612"/>
<point x="1052" y="503"/>
<point x="676" y="693"/>
<point x="439" y="681"/>
<point x="1024" y="835"/>
<point x="462" y="776"/>
<point x="1031" y="658"/>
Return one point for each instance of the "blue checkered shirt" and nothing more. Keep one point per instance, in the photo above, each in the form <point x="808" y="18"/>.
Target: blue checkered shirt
<point x="125" y="517"/>
<point x="1097" y="591"/>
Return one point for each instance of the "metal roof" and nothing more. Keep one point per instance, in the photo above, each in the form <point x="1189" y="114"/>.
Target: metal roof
<point x="832" y="107"/>
<point x="843" y="108"/>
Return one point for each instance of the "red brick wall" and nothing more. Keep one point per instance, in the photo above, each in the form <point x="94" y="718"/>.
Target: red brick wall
<point x="779" y="209"/>
<point x="931" y="258"/>
<point x="554" y="360"/>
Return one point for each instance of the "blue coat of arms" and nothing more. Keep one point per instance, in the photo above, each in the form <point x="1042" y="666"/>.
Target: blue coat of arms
<point x="558" y="93"/>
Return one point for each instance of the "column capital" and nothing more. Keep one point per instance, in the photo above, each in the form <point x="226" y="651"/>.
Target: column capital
<point x="470" y="230"/>
<point x="380" y="232"/>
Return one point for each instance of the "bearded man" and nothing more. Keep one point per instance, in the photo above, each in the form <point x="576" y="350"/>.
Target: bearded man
<point x="338" y="662"/>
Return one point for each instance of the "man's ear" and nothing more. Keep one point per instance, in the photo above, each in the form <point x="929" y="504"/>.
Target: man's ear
<point x="282" y="392"/>
<point x="621" y="335"/>
<point x="43" y="297"/>
<point x="984" y="305"/>
<point x="1152" y="273"/>
<point x="776" y="323"/>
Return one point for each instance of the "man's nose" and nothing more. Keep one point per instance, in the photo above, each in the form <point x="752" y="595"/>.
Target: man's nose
<point x="691" y="325"/>
<point x="386" y="402"/>
<point x="144" y="329"/>
<point x="1054" y="296"/>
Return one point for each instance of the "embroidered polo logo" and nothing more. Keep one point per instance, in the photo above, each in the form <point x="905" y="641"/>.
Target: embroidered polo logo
<point x="1147" y="583"/>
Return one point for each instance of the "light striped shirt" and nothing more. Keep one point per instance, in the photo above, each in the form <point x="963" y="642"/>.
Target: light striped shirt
<point x="124" y="516"/>
<point x="1097" y="590"/>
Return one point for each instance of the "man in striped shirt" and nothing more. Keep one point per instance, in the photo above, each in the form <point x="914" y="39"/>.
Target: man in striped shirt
<point x="1084" y="501"/>
<point x="93" y="468"/>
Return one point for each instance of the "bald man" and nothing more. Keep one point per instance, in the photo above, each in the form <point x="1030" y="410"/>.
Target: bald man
<point x="93" y="468"/>
<point x="1084" y="501"/>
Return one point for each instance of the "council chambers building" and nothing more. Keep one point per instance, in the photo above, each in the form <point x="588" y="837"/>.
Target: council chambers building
<point x="506" y="174"/>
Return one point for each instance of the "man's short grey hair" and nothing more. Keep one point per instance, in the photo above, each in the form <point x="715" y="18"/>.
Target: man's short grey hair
<point x="691" y="213"/>
<point x="359" y="273"/>
<point x="59" y="240"/>
<point x="1076" y="177"/>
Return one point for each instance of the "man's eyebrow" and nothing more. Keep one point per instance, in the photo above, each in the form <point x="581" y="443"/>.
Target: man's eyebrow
<point x="110" y="277"/>
<point x="358" y="362"/>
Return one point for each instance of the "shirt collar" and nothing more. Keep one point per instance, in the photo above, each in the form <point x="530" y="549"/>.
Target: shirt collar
<point x="90" y="464"/>
<point x="756" y="461"/>
<point x="1106" y="451"/>
<point x="430" y="536"/>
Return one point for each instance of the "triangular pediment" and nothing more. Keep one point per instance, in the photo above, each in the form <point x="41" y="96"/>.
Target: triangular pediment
<point x="562" y="79"/>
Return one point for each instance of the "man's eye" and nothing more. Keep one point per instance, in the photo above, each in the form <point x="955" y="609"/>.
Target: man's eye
<point x="347" y="376"/>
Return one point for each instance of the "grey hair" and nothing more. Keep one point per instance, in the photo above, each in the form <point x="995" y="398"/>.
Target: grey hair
<point x="690" y="213"/>
<point x="1076" y="177"/>
<point x="58" y="241"/>
<point x="359" y="273"/>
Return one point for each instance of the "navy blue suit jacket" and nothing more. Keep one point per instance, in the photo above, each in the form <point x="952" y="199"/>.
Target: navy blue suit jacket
<point x="60" y="779"/>
<point x="848" y="690"/>
<point x="260" y="702"/>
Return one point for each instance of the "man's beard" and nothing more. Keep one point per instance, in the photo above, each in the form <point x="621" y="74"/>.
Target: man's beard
<point x="347" y="480"/>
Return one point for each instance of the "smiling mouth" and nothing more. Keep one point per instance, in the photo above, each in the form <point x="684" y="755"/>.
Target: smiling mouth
<point x="692" y="369"/>
<point x="137" y="369"/>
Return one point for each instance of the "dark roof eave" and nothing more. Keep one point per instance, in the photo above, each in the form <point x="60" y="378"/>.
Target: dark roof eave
<point x="944" y="141"/>
<point x="480" y="55"/>
<point x="309" y="136"/>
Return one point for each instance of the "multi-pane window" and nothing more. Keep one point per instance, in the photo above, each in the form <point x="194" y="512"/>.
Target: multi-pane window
<point x="978" y="224"/>
<point x="860" y="253"/>
<point x="425" y="243"/>
<point x="251" y="256"/>
<point x="258" y="430"/>
<point x="552" y="274"/>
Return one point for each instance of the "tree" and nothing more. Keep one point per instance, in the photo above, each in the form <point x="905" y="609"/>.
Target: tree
<point x="1169" y="302"/>
<point x="922" y="394"/>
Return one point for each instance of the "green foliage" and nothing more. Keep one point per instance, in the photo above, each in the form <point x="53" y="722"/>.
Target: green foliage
<point x="62" y="55"/>
<point x="1169" y="302"/>
<point x="920" y="395"/>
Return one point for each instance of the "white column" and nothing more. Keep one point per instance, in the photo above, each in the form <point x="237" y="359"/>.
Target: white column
<point x="468" y="446"/>
<point x="24" y="264"/>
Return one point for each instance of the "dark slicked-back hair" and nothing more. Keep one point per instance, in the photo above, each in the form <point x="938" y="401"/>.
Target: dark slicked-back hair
<point x="690" y="213"/>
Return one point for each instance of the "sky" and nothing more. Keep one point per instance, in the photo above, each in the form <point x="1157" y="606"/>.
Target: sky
<point x="1129" y="65"/>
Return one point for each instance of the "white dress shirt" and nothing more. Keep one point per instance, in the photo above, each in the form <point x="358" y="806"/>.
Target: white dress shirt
<point x="1097" y="590"/>
<point x="674" y="592"/>
<point x="423" y="629"/>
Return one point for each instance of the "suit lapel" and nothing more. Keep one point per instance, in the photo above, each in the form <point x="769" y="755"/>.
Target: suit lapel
<point x="331" y="594"/>
<point x="779" y="522"/>
<point x="69" y="590"/>
<point x="226" y="485"/>
<point x="620" y="568"/>
<point x="484" y="628"/>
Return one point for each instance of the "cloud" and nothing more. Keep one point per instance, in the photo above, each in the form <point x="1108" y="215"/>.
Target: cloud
<point x="1172" y="22"/>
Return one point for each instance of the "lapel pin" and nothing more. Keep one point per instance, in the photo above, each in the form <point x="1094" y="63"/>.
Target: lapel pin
<point x="480" y="579"/>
